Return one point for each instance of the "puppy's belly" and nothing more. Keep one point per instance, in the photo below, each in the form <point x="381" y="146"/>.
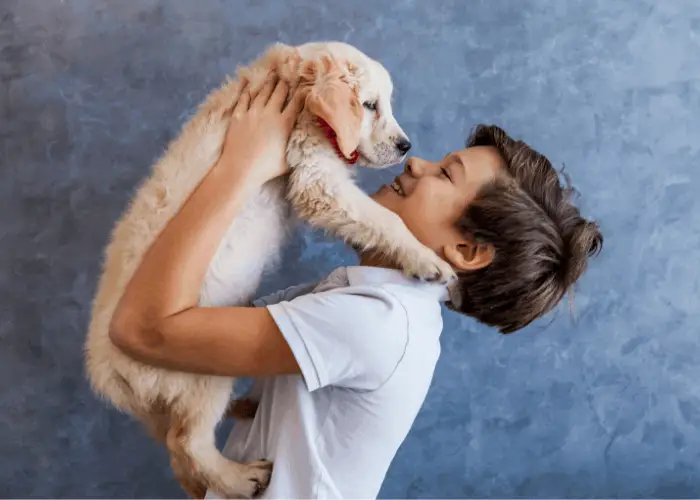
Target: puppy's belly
<point x="251" y="244"/>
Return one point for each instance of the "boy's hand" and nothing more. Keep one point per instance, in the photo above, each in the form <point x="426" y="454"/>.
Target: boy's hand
<point x="259" y="129"/>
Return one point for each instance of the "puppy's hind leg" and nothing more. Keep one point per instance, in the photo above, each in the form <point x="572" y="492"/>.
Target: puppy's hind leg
<point x="242" y="409"/>
<point x="196" y="461"/>
<point x="156" y="420"/>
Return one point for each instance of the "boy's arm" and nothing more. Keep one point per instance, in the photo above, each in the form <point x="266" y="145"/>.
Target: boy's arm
<point x="350" y="338"/>
<point x="157" y="319"/>
<point x="226" y="341"/>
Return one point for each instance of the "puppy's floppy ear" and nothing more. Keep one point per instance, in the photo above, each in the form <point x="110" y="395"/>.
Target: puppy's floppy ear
<point x="332" y="98"/>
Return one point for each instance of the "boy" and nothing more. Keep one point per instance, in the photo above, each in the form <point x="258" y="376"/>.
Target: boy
<point x="349" y="361"/>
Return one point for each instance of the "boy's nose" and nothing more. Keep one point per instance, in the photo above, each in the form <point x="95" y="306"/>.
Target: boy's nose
<point x="414" y="166"/>
<point x="408" y="166"/>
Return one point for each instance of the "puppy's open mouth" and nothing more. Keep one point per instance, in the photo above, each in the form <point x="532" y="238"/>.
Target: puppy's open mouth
<point x="397" y="188"/>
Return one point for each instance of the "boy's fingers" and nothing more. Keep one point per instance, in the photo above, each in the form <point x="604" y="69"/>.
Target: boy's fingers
<point x="243" y="100"/>
<point x="295" y="105"/>
<point x="261" y="99"/>
<point x="279" y="96"/>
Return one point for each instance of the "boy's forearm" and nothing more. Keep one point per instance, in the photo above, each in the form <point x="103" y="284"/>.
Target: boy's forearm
<point x="170" y="276"/>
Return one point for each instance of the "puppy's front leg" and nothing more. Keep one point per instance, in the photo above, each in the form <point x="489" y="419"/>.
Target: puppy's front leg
<point x="346" y="211"/>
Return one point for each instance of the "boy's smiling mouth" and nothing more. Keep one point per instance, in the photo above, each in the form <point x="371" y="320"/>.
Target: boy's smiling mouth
<point x="396" y="186"/>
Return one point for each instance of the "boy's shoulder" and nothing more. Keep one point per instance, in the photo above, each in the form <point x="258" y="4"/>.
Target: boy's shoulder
<point x="418" y="302"/>
<point x="350" y="279"/>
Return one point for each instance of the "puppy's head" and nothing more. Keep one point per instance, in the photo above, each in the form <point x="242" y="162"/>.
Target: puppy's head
<point x="352" y="94"/>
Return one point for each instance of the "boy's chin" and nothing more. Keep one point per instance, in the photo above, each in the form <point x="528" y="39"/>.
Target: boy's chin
<point x="387" y="198"/>
<point x="382" y="196"/>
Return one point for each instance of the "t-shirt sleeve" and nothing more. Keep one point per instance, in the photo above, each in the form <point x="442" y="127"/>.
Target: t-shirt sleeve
<point x="353" y="339"/>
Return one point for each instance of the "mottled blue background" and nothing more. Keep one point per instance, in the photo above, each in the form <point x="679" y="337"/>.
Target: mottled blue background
<point x="604" y="404"/>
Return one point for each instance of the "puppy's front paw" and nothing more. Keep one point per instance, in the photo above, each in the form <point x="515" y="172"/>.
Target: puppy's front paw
<point x="426" y="265"/>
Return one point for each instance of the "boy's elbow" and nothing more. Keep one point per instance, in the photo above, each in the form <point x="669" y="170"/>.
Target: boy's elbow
<point x="128" y="333"/>
<point x="121" y="333"/>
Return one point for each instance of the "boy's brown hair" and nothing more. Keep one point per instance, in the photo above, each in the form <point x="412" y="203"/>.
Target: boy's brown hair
<point x="541" y="242"/>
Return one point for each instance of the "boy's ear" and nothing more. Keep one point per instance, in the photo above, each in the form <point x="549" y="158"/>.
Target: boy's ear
<point x="468" y="256"/>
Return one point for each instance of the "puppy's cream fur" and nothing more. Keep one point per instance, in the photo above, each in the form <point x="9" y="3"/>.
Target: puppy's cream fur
<point x="183" y="409"/>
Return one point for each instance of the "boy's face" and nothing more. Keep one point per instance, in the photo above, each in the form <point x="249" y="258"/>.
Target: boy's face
<point x="430" y="197"/>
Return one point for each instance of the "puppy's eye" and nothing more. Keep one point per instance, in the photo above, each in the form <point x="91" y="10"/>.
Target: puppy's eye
<point x="371" y="105"/>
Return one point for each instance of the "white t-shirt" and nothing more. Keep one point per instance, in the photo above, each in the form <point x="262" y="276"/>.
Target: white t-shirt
<point x="366" y="341"/>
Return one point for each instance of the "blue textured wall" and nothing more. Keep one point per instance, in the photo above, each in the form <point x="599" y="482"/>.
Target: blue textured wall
<point x="607" y="404"/>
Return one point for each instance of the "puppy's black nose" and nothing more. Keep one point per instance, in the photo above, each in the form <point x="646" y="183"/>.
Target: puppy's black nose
<point x="403" y="145"/>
